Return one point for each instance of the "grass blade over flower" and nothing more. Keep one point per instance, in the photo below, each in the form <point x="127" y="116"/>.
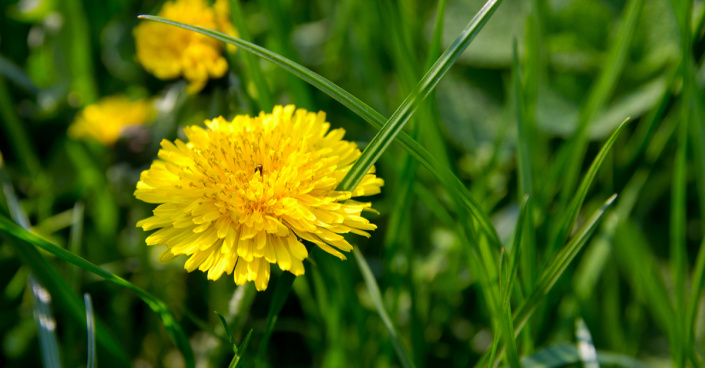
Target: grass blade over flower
<point x="241" y="194"/>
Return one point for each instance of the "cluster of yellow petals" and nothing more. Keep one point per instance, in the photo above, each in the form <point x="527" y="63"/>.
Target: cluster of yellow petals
<point x="241" y="194"/>
<point x="169" y="52"/>
<point x="105" y="120"/>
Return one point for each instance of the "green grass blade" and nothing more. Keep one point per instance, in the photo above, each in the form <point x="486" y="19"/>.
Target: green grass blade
<point x="79" y="52"/>
<point x="238" y="351"/>
<point x="425" y="86"/>
<point x="586" y="349"/>
<point x="227" y="331"/>
<point x="24" y="239"/>
<point x="50" y="278"/>
<point x="564" y="355"/>
<point x="254" y="71"/>
<point x="523" y="153"/>
<point x="403" y="354"/>
<point x="281" y="293"/>
<point x="280" y="32"/>
<point x="558" y="266"/>
<point x="16" y="75"/>
<point x="237" y="359"/>
<point x="599" y="94"/>
<point x="90" y="329"/>
<point x="444" y="174"/>
<point x="571" y="215"/>
<point x="435" y="49"/>
<point x="14" y="129"/>
<point x="46" y="324"/>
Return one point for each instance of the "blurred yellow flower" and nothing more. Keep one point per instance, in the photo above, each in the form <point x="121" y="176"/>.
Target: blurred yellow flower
<point x="169" y="52"/>
<point x="106" y="119"/>
<point x="239" y="195"/>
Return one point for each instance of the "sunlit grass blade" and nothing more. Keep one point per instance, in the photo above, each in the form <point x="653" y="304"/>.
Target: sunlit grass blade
<point x="586" y="349"/>
<point x="90" y="330"/>
<point x="49" y="276"/>
<point x="569" y="217"/>
<point x="46" y="324"/>
<point x="281" y="293"/>
<point x="558" y="266"/>
<point x="24" y="239"/>
<point x="254" y="71"/>
<point x="403" y="354"/>
<point x="444" y="174"/>
<point x="425" y="86"/>
<point x="16" y="75"/>
<point x="564" y="355"/>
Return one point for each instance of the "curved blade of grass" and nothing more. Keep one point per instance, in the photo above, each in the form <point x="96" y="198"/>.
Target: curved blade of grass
<point x="559" y="265"/>
<point x="254" y="71"/>
<point x="281" y="292"/>
<point x="241" y="351"/>
<point x="565" y="354"/>
<point x="425" y="86"/>
<point x="404" y="356"/>
<point x="90" y="329"/>
<point x="444" y="174"/>
<point x="600" y="92"/>
<point x="572" y="213"/>
<point x="46" y="324"/>
<point x="238" y="351"/>
<point x="50" y="278"/>
<point x="25" y="239"/>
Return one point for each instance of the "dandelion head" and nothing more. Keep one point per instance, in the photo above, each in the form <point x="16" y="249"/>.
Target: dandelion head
<point x="170" y="52"/>
<point x="106" y="120"/>
<point x="242" y="194"/>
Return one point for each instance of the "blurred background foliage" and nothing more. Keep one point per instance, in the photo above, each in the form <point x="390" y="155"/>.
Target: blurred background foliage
<point x="58" y="56"/>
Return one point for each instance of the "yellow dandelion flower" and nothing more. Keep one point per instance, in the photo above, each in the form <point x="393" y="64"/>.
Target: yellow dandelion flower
<point x="169" y="52"/>
<point x="241" y="194"/>
<point x="105" y="120"/>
